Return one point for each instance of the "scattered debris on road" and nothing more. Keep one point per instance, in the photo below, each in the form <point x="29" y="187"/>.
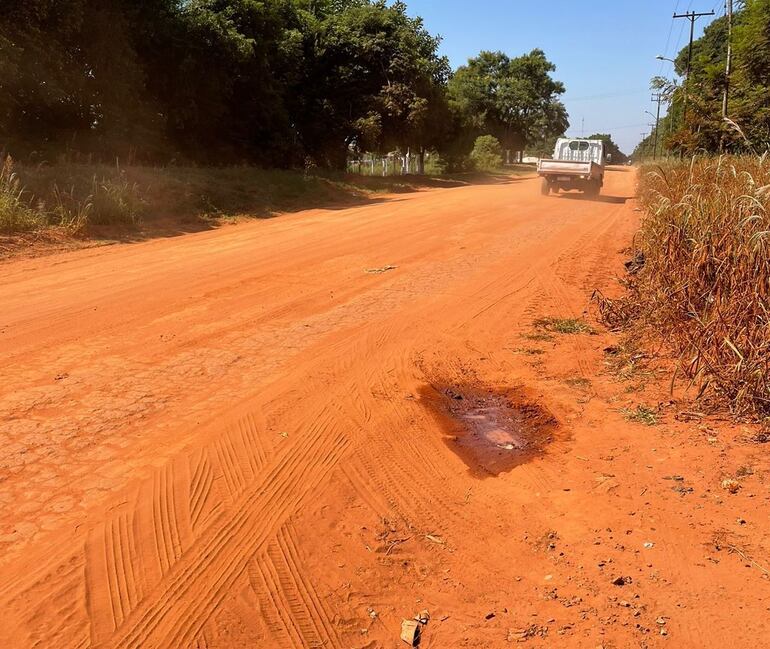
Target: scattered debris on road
<point x="731" y="485"/>
<point x="411" y="630"/>
<point x="383" y="269"/>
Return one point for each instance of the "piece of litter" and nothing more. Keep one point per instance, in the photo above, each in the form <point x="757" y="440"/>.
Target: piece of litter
<point x="410" y="632"/>
<point x="284" y="434"/>
<point x="649" y="544"/>
<point x="731" y="485"/>
<point x="384" y="269"/>
<point x="435" y="539"/>
<point x="423" y="617"/>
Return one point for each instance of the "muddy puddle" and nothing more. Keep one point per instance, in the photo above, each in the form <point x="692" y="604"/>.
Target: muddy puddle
<point x="492" y="431"/>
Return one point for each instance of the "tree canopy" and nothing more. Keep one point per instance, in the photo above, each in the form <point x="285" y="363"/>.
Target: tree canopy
<point x="514" y="99"/>
<point x="273" y="82"/>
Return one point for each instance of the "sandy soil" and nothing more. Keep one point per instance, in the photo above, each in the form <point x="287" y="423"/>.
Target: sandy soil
<point x="299" y="432"/>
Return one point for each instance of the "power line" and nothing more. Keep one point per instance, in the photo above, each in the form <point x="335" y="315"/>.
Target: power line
<point x="606" y="95"/>
<point x="677" y="49"/>
<point x="668" y="39"/>
<point x="692" y="16"/>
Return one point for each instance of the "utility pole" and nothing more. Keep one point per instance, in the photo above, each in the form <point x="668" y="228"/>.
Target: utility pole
<point x="729" y="66"/>
<point x="692" y="17"/>
<point x="658" y="97"/>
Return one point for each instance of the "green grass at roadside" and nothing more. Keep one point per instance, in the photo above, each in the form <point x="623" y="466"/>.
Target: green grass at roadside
<point x="94" y="200"/>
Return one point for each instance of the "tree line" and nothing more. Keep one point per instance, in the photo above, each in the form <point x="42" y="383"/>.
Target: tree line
<point x="281" y="83"/>
<point x="695" y="120"/>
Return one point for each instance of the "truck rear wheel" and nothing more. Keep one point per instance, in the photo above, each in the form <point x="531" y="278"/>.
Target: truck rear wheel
<point x="545" y="187"/>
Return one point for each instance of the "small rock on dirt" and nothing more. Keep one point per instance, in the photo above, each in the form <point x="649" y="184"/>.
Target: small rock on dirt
<point x="622" y="581"/>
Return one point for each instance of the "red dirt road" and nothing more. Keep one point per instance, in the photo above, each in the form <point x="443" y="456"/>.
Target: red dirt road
<point x="242" y="438"/>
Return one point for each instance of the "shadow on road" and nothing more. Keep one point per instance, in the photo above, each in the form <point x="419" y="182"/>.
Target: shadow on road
<point x="616" y="200"/>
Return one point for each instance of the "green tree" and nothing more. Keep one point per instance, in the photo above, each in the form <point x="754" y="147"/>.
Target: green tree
<point x="372" y="80"/>
<point x="750" y="103"/>
<point x="514" y="99"/>
<point x="275" y="82"/>
<point x="70" y="77"/>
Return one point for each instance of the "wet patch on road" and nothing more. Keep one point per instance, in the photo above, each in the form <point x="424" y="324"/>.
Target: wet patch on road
<point x="492" y="431"/>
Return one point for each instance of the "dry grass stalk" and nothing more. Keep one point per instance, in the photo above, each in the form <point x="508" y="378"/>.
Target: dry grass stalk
<point x="705" y="284"/>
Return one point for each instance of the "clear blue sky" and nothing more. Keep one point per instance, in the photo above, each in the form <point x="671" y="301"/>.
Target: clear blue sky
<point x="604" y="50"/>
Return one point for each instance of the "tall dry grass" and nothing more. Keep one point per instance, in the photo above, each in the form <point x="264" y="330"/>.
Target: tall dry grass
<point x="16" y="213"/>
<point x="705" y="282"/>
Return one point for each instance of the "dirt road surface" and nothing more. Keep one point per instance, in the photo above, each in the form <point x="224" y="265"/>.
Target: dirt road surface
<point x="300" y="432"/>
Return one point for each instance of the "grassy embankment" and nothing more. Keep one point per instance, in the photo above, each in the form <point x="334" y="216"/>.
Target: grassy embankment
<point x="113" y="202"/>
<point x="704" y="282"/>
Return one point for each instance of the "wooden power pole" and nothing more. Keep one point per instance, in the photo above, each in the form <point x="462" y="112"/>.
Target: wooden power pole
<point x="658" y="97"/>
<point x="729" y="66"/>
<point x="692" y="17"/>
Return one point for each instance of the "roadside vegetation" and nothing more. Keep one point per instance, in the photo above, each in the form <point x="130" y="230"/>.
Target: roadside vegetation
<point x="487" y="154"/>
<point x="696" y="120"/>
<point x="279" y="83"/>
<point x="701" y="275"/>
<point x="105" y="107"/>
<point x="112" y="201"/>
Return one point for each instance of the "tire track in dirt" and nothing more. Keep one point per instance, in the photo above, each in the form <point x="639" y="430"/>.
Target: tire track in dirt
<point x="305" y="608"/>
<point x="557" y="290"/>
<point x="399" y="483"/>
<point x="166" y="554"/>
<point x="221" y="553"/>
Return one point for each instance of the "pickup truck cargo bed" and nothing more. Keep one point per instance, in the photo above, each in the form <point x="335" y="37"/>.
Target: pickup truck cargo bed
<point x="577" y="164"/>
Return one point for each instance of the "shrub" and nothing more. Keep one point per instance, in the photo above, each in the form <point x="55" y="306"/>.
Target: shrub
<point x="487" y="154"/>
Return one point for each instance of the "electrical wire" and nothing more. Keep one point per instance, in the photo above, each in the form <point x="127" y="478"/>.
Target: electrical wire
<point x="668" y="39"/>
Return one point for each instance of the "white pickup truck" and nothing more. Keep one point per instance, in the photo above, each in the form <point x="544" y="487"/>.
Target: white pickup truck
<point x="576" y="164"/>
